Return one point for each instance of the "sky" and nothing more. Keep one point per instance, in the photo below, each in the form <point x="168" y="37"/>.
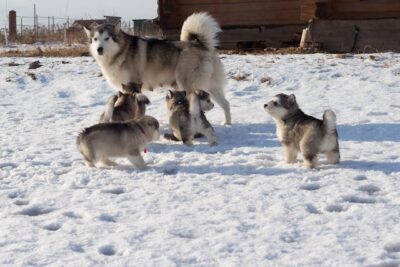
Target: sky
<point x="77" y="9"/>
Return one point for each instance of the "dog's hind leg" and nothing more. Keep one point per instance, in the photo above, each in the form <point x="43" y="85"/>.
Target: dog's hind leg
<point x="186" y="135"/>
<point x="107" y="162"/>
<point x="310" y="161"/>
<point x="172" y="137"/>
<point x="88" y="162"/>
<point x="309" y="150"/>
<point x="210" y="133"/>
<point x="218" y="96"/>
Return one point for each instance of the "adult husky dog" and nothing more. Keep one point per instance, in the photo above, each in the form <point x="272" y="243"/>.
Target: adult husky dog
<point x="189" y="65"/>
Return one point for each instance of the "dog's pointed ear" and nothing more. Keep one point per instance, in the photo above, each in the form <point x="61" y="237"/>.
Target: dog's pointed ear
<point x="120" y="93"/>
<point x="135" y="87"/>
<point x="87" y="31"/>
<point x="117" y="27"/>
<point x="124" y="87"/>
<point x="169" y="94"/>
<point x="291" y="99"/>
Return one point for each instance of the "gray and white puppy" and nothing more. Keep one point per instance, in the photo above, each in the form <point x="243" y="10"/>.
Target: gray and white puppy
<point x="298" y="131"/>
<point x="128" y="105"/>
<point x="103" y="141"/>
<point x="186" y="116"/>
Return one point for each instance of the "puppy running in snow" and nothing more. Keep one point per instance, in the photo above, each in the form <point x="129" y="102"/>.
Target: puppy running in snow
<point x="300" y="132"/>
<point x="186" y="116"/>
<point x="103" y="141"/>
<point x="130" y="104"/>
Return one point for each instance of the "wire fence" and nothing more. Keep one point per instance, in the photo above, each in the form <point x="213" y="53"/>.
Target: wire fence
<point x="35" y="29"/>
<point x="48" y="24"/>
<point x="42" y="29"/>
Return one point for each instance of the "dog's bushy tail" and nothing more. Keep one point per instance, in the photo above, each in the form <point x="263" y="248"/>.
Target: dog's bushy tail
<point x="329" y="119"/>
<point x="201" y="28"/>
<point x="142" y="101"/>
<point x="108" y="114"/>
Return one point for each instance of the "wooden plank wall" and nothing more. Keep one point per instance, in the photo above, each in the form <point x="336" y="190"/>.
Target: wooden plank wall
<point x="373" y="35"/>
<point x="349" y="9"/>
<point x="365" y="9"/>
<point x="307" y="9"/>
<point x="231" y="13"/>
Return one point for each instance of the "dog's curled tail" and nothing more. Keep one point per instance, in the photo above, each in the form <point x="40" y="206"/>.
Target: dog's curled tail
<point x="108" y="114"/>
<point x="201" y="28"/>
<point x="329" y="119"/>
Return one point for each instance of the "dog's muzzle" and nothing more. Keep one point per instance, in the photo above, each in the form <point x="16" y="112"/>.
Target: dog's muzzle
<point x="100" y="51"/>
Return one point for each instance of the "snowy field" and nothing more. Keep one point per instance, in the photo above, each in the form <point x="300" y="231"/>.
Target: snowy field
<point x="235" y="204"/>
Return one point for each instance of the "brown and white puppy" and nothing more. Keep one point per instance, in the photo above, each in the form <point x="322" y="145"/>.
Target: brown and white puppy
<point x="298" y="131"/>
<point x="186" y="116"/>
<point x="128" y="105"/>
<point x="103" y="141"/>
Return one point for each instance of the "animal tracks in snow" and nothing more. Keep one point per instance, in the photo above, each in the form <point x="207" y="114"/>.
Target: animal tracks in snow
<point x="21" y="202"/>
<point x="360" y="178"/>
<point x="107" y="218"/>
<point x="334" y="208"/>
<point x="72" y="215"/>
<point x="312" y="209"/>
<point x="310" y="186"/>
<point x="359" y="200"/>
<point x="107" y="250"/>
<point x="115" y="191"/>
<point x="370" y="189"/>
<point x="52" y="227"/>
<point x="35" y="211"/>
<point x="392" y="247"/>
<point x="365" y="196"/>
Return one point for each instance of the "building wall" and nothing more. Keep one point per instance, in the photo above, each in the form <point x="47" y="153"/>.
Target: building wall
<point x="365" y="9"/>
<point x="349" y="9"/>
<point x="231" y="13"/>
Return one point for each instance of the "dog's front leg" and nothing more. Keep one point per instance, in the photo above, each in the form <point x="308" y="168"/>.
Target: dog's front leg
<point x="187" y="141"/>
<point x="107" y="162"/>
<point x="290" y="153"/>
<point x="137" y="160"/>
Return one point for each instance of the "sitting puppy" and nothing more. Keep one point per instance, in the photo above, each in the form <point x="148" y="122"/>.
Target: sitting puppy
<point x="300" y="132"/>
<point x="130" y="104"/>
<point x="118" y="139"/>
<point x="186" y="117"/>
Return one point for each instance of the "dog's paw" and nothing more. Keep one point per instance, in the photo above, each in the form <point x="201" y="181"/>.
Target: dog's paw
<point x="142" y="167"/>
<point x="213" y="143"/>
<point x="188" y="143"/>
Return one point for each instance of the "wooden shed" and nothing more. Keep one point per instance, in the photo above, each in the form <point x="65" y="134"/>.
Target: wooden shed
<point x="336" y="25"/>
<point x="354" y="25"/>
<point x="273" y="23"/>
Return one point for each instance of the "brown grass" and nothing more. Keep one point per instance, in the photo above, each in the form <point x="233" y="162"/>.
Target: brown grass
<point x="272" y="51"/>
<point x="76" y="51"/>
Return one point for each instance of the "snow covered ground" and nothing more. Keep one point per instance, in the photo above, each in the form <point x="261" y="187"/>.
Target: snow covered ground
<point x="234" y="204"/>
